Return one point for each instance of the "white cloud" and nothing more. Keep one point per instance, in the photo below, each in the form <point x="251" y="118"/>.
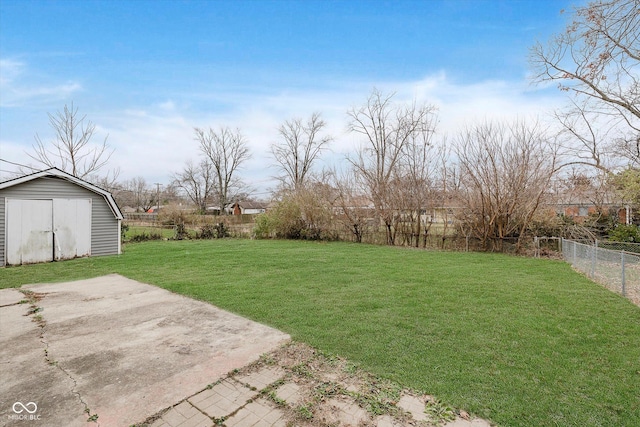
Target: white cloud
<point x="155" y="141"/>
<point x="151" y="144"/>
<point x="461" y="105"/>
<point x="167" y="106"/>
<point x="20" y="95"/>
<point x="15" y="153"/>
<point x="9" y="70"/>
<point x="20" y="89"/>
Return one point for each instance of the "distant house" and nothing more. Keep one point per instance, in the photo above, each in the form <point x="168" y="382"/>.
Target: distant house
<point x="52" y="215"/>
<point x="247" y="208"/>
<point x="358" y="202"/>
<point x="580" y="211"/>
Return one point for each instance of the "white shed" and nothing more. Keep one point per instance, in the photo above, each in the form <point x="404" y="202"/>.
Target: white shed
<point x="52" y="215"/>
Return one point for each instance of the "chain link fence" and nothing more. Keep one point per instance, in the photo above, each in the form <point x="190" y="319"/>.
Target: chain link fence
<point x="617" y="270"/>
<point x="632" y="247"/>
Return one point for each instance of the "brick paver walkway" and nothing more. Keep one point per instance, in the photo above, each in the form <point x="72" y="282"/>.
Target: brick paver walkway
<point x="232" y="401"/>
<point x="260" y="412"/>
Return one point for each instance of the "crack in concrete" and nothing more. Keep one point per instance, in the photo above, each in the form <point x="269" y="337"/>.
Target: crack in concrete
<point x="32" y="299"/>
<point x="12" y="304"/>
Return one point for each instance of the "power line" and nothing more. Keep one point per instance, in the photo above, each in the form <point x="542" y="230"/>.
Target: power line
<point x="19" y="164"/>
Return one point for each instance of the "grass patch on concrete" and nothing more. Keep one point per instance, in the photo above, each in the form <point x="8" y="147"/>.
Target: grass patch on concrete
<point x="518" y="341"/>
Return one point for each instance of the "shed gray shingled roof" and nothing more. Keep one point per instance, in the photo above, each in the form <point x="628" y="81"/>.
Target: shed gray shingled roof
<point x="61" y="174"/>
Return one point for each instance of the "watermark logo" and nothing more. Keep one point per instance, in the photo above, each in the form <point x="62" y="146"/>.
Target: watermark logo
<point x="30" y="407"/>
<point x="24" y="411"/>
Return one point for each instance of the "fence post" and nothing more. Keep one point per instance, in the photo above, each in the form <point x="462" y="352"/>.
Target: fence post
<point x="575" y="255"/>
<point x="624" y="293"/>
<point x="594" y="259"/>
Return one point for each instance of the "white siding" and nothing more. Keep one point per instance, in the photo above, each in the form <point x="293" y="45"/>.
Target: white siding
<point x="29" y="231"/>
<point x="2" y="231"/>
<point x="71" y="228"/>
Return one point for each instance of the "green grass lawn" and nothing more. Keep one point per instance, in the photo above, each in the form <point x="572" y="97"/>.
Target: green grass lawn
<point x="138" y="230"/>
<point x="522" y="342"/>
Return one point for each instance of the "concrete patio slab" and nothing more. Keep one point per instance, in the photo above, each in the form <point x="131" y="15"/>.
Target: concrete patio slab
<point x="10" y="296"/>
<point x="414" y="405"/>
<point x="115" y="350"/>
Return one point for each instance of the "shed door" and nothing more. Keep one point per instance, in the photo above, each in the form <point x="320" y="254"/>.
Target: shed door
<point x="29" y="228"/>
<point x="71" y="228"/>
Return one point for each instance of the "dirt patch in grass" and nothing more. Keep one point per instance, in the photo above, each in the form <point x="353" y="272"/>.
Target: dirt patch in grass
<point x="327" y="386"/>
<point x="332" y="391"/>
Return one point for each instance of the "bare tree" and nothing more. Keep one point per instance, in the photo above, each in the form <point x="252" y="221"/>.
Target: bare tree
<point x="416" y="180"/>
<point x="446" y="189"/>
<point x="134" y="193"/>
<point x="387" y="128"/>
<point x="505" y="171"/>
<point x="596" y="60"/>
<point x="226" y="150"/>
<point x="143" y="195"/>
<point x="299" y="148"/>
<point x="171" y="193"/>
<point x="352" y="206"/>
<point x="197" y="181"/>
<point x="72" y="149"/>
<point x="584" y="139"/>
<point x="576" y="187"/>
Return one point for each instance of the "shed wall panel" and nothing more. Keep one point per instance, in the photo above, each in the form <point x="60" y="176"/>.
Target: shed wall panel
<point x="72" y="228"/>
<point x="29" y="231"/>
<point x="2" y="230"/>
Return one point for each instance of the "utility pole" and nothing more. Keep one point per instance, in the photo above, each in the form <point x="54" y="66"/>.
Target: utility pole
<point x="158" y="196"/>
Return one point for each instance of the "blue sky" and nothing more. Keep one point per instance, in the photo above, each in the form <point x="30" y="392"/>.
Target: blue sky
<point x="147" y="72"/>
